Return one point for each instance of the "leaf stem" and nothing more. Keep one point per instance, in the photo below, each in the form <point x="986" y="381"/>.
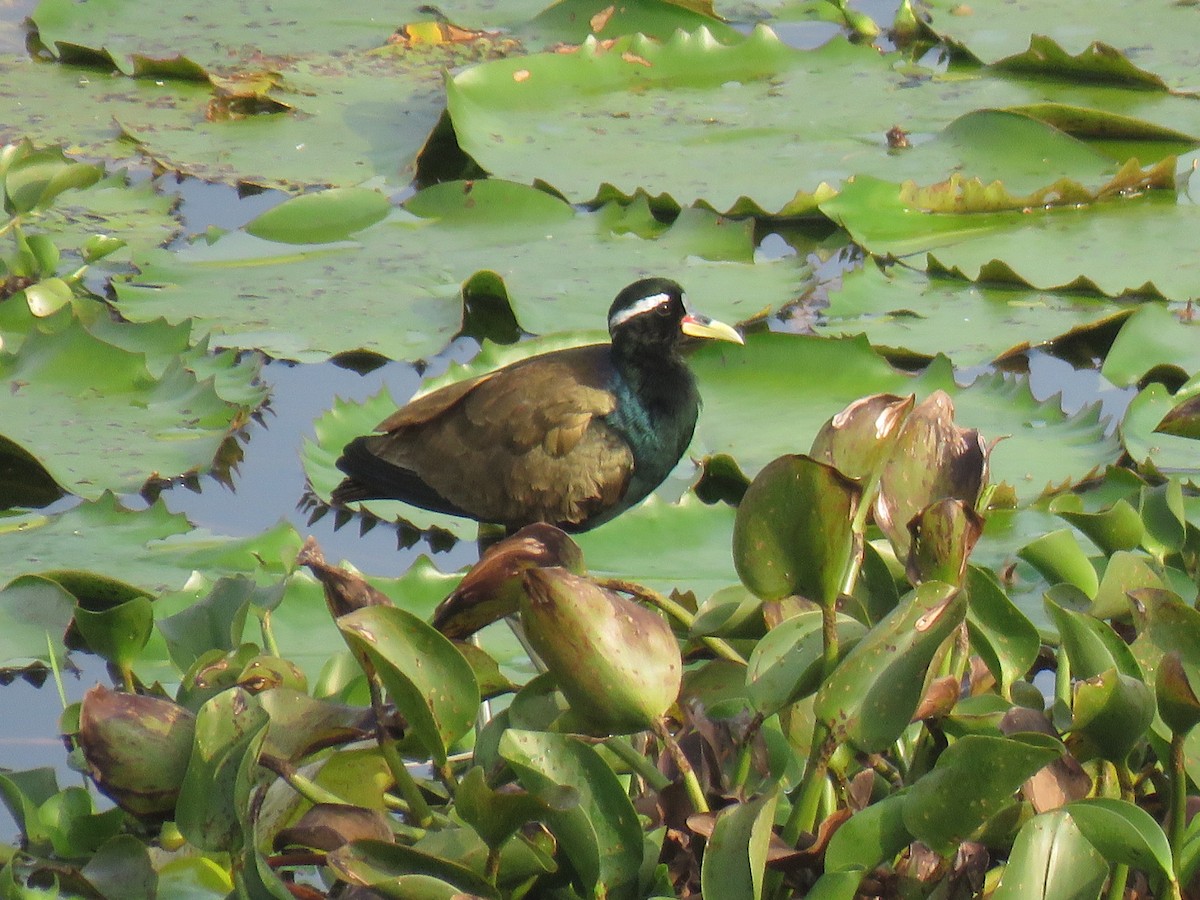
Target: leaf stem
<point x="829" y="640"/>
<point x="268" y="634"/>
<point x="803" y="817"/>
<point x="690" y="782"/>
<point x="1116" y="884"/>
<point x="637" y="762"/>
<point x="405" y="783"/>
<point x="674" y="610"/>
<point x="1177" y="812"/>
<point x="804" y="808"/>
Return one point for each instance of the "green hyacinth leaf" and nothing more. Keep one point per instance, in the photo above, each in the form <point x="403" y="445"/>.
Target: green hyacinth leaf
<point x="973" y="780"/>
<point x="1051" y="858"/>
<point x="229" y="727"/>
<point x="872" y="694"/>
<point x="600" y="838"/>
<point x="735" y="856"/>
<point x="793" y="534"/>
<point x="431" y="684"/>
<point x="786" y="664"/>
<point x="1124" y="833"/>
<point x="1111" y="714"/>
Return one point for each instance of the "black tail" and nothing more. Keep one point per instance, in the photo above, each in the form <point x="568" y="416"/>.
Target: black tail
<point x="371" y="477"/>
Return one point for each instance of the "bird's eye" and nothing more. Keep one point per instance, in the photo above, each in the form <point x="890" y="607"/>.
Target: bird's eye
<point x="663" y="310"/>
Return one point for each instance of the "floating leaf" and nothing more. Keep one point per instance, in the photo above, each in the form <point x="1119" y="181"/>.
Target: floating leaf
<point x="992" y="37"/>
<point x="431" y="684"/>
<point x="915" y="313"/>
<point x="601" y="837"/>
<point x="1145" y="444"/>
<point x="973" y="780"/>
<point x="872" y="694"/>
<point x="735" y="856"/>
<point x="1116" y="247"/>
<point x="1051" y="858"/>
<point x="518" y="233"/>
<point x="322" y="217"/>
<point x="36" y="612"/>
<point x="1153" y="336"/>
<point x="126" y="424"/>
<point x="1124" y="833"/>
<point x="793" y="533"/>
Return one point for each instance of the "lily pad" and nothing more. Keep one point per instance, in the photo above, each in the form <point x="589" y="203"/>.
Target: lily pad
<point x="1153" y="336"/>
<point x="916" y="314"/>
<point x="153" y="549"/>
<point x="97" y="419"/>
<point x="337" y="127"/>
<point x="399" y="268"/>
<point x="1153" y="36"/>
<point x="1120" y="246"/>
<point x="218" y="34"/>
<point x="674" y="120"/>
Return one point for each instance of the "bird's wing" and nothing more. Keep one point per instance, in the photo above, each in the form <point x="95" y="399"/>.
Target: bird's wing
<point x="524" y="443"/>
<point x="424" y="408"/>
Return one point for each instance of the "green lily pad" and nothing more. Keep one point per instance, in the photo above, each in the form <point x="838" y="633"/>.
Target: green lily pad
<point x="1153" y="36"/>
<point x="916" y="314"/>
<point x="218" y="34"/>
<point x="674" y="120"/>
<point x="774" y="395"/>
<point x="153" y="549"/>
<point x="36" y="612"/>
<point x="399" y="268"/>
<point x="97" y="419"/>
<point x="1115" y="247"/>
<point x="338" y="128"/>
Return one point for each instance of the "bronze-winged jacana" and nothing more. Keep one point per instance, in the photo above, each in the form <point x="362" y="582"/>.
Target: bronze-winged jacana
<point x="572" y="437"/>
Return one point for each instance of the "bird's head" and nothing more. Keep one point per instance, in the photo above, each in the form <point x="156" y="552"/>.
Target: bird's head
<point x="652" y="313"/>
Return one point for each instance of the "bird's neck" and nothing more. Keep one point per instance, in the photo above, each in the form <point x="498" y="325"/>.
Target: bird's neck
<point x="659" y="381"/>
<point x="658" y="403"/>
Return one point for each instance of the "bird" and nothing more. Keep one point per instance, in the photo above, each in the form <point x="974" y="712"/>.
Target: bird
<point x="571" y="438"/>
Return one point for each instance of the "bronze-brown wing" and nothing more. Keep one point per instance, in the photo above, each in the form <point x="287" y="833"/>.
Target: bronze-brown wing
<point x="485" y="449"/>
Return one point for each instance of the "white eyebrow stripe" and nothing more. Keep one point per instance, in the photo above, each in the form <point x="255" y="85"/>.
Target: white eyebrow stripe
<point x="644" y="305"/>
